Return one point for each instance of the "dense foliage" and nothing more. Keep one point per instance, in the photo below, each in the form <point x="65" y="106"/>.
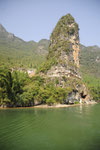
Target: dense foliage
<point x="63" y="27"/>
<point x="47" y="64"/>
<point x="24" y="55"/>
<point x="11" y="86"/>
<point x="17" y="89"/>
<point x="14" y="52"/>
<point x="93" y="85"/>
<point x="90" y="60"/>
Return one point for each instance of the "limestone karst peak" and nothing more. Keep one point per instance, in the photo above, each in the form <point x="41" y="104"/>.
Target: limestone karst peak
<point x="63" y="58"/>
<point x="65" y="38"/>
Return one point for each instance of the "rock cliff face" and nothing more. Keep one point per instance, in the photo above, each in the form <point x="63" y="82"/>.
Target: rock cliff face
<point x="65" y="37"/>
<point x="62" y="63"/>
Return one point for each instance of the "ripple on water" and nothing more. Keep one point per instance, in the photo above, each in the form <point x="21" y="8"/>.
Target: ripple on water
<point x="48" y="129"/>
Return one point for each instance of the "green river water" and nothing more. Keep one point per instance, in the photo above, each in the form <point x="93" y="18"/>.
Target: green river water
<point x="71" y="128"/>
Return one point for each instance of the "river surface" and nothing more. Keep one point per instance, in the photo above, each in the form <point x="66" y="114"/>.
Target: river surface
<point x="71" y="128"/>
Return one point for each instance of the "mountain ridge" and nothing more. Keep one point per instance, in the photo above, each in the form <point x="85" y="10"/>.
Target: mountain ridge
<point x="19" y="52"/>
<point x="36" y="52"/>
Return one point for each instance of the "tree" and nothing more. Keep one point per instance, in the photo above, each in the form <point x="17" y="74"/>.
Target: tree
<point x="6" y="85"/>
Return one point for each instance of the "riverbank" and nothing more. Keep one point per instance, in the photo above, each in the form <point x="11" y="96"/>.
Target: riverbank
<point x="52" y="106"/>
<point x="55" y="106"/>
<point x="63" y="105"/>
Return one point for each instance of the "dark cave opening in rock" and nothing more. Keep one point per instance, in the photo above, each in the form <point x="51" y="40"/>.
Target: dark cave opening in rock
<point x="83" y="96"/>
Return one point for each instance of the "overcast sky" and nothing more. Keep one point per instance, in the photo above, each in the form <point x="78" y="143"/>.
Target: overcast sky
<point x="35" y="19"/>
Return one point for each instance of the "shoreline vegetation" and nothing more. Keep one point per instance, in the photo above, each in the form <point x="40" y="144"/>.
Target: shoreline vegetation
<point x="52" y="106"/>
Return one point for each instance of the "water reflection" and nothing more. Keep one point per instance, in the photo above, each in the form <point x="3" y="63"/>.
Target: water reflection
<point x="69" y="128"/>
<point x="80" y="108"/>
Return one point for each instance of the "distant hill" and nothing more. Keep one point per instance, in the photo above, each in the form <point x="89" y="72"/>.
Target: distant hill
<point x="15" y="52"/>
<point x="90" y="60"/>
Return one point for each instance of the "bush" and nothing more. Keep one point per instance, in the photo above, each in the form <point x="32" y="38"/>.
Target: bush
<point x="76" y="102"/>
<point x="50" y="101"/>
<point x="47" y="65"/>
<point x="27" y="99"/>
